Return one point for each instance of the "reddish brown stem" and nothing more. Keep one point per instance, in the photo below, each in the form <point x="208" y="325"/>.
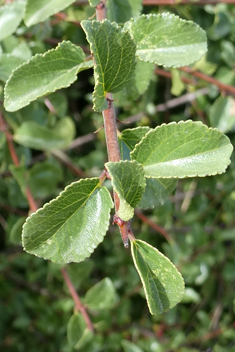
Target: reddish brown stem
<point x="78" y="304"/>
<point x="101" y="11"/>
<point x="16" y="162"/>
<point x="154" y="226"/>
<point x="209" y="79"/>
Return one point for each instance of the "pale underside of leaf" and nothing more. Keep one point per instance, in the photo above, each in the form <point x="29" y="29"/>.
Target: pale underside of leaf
<point x="163" y="284"/>
<point x="129" y="183"/>
<point x="167" y="40"/>
<point x="184" y="149"/>
<point x="114" y="55"/>
<point x="38" y="10"/>
<point x="69" y="228"/>
<point x="43" y="74"/>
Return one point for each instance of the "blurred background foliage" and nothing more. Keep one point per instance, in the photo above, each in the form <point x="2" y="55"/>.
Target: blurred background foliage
<point x="196" y="226"/>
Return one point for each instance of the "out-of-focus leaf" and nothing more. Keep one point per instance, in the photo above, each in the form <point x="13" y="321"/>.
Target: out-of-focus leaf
<point x="222" y="114"/>
<point x="33" y="135"/>
<point x="16" y="231"/>
<point x="10" y="17"/>
<point x="101" y="296"/>
<point x="77" y="332"/>
<point x="121" y="11"/>
<point x="130" y="347"/>
<point x="177" y="86"/>
<point x="38" y="10"/>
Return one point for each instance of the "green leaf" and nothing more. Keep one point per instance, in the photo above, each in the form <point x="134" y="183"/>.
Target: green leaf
<point x="32" y="135"/>
<point x="43" y="74"/>
<point x="114" y="55"/>
<point x="130" y="137"/>
<point x="16" y="231"/>
<point x="93" y="3"/>
<point x="121" y="11"/>
<point x="177" y="85"/>
<point x="167" y="40"/>
<point x="128" y="181"/>
<point x="222" y="114"/>
<point x="69" y="227"/>
<point x="10" y="18"/>
<point x="163" y="284"/>
<point x="130" y="347"/>
<point x="137" y="85"/>
<point x="183" y="149"/>
<point x="101" y="296"/>
<point x="8" y="63"/>
<point x="157" y="192"/>
<point x="77" y="332"/>
<point x="18" y="173"/>
<point x="38" y="10"/>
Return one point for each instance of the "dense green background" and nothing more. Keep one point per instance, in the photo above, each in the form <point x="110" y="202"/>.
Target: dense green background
<point x="35" y="305"/>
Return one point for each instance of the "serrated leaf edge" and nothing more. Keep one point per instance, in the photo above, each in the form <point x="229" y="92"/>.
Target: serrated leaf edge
<point x="191" y="123"/>
<point x="142" y="183"/>
<point x="114" y="24"/>
<point x="166" y="15"/>
<point x="140" y="275"/>
<point x="92" y="248"/>
<point x="32" y="59"/>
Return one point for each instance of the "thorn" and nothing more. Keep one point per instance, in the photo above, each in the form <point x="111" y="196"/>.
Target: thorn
<point x="100" y="128"/>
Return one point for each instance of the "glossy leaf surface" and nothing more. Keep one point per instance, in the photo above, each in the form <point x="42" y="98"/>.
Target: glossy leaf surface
<point x="38" y="10"/>
<point x="43" y="74"/>
<point x="69" y="227"/>
<point x="163" y="284"/>
<point x="101" y="296"/>
<point x="167" y="40"/>
<point x="114" y="55"/>
<point x="183" y="149"/>
<point x="10" y="17"/>
<point x="128" y="181"/>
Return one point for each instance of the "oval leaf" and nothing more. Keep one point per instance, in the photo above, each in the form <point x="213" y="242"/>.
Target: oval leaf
<point x="10" y="18"/>
<point x="183" y="149"/>
<point x="163" y="284"/>
<point x="69" y="227"/>
<point x="157" y="192"/>
<point x="222" y="114"/>
<point x="43" y="74"/>
<point x="129" y="138"/>
<point x="38" y="10"/>
<point x="77" y="332"/>
<point x="129" y="183"/>
<point x="121" y="11"/>
<point x="101" y="296"/>
<point x="114" y="55"/>
<point x="167" y="40"/>
<point x="32" y="135"/>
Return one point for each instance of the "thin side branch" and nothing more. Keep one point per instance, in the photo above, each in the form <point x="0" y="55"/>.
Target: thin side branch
<point x="78" y="304"/>
<point x="16" y="162"/>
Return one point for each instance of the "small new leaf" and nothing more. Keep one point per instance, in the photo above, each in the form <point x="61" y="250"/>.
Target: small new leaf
<point x="167" y="40"/>
<point x="163" y="284"/>
<point x="70" y="227"/>
<point x="43" y="74"/>
<point x="129" y="183"/>
<point x="77" y="332"/>
<point x="114" y="56"/>
<point x="184" y="149"/>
